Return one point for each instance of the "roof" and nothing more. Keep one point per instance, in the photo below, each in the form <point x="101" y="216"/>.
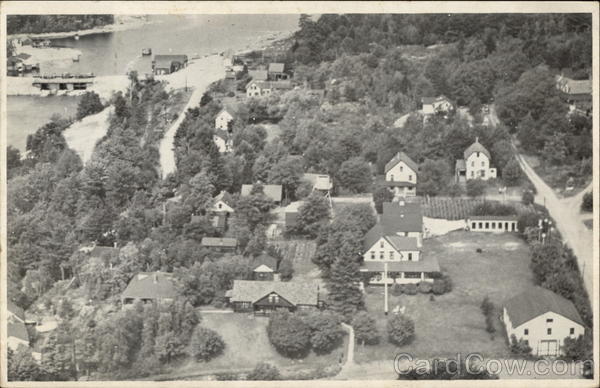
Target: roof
<point x="226" y="110"/>
<point x="294" y="207"/>
<point x="399" y="184"/>
<point x="99" y="251"/>
<point x="264" y="260"/>
<point x="400" y="243"/>
<point x="15" y="310"/>
<point x="319" y="181"/>
<point x="571" y="86"/>
<point x="276" y="67"/>
<point x="223" y="196"/>
<point x="17" y="329"/>
<point x="151" y="285"/>
<point x="493" y="218"/>
<point x="271" y="84"/>
<point x="219" y="242"/>
<point x="461" y="164"/>
<point x="401" y="218"/>
<point x="431" y="100"/>
<point x="305" y="292"/>
<point x="222" y="134"/>
<point x="258" y="75"/>
<point x="537" y="301"/>
<point x="271" y="191"/>
<point x="164" y="61"/>
<point x="476" y="147"/>
<point x="401" y="157"/>
<point x="425" y="264"/>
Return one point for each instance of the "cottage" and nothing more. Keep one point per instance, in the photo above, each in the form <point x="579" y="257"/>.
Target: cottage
<point x="291" y="214"/>
<point x="320" y="182"/>
<point x="157" y="287"/>
<point x="258" y="75"/>
<point x="223" y="141"/>
<point x="271" y="191"/>
<point x="577" y="93"/>
<point x="401" y="175"/>
<point x="266" y="88"/>
<point x="433" y="105"/>
<point x="543" y="320"/>
<point x="475" y="165"/>
<point x="494" y="224"/>
<point x="220" y="243"/>
<point x="221" y="210"/>
<point x="276" y="72"/>
<point x="224" y="120"/>
<point x="167" y="64"/>
<point x="392" y="248"/>
<point x="265" y="267"/>
<point x="263" y="297"/>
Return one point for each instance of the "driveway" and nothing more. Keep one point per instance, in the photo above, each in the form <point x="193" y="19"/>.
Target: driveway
<point x="568" y="218"/>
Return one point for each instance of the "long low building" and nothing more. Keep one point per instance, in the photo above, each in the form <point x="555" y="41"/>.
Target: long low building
<point x="263" y="297"/>
<point x="63" y="83"/>
<point x="495" y="224"/>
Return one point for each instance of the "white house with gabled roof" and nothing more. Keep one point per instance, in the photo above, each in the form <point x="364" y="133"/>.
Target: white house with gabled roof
<point x="222" y="120"/>
<point x="475" y="165"/>
<point x="401" y="175"/>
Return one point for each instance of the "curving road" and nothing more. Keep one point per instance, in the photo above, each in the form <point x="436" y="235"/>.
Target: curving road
<point x="569" y="223"/>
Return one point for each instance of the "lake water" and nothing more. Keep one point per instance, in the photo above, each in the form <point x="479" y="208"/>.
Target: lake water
<point x="120" y="51"/>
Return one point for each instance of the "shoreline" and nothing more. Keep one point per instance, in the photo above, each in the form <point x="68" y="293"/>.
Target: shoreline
<point x="125" y="23"/>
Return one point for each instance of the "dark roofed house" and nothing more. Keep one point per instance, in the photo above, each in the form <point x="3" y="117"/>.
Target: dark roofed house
<point x="402" y="217"/>
<point x="220" y="243"/>
<point x="543" y="319"/>
<point x="150" y="287"/>
<point x="264" y="267"/>
<point x="258" y="75"/>
<point x="277" y="72"/>
<point x="263" y="297"/>
<point x="167" y="64"/>
<point x="271" y="191"/>
<point x="575" y="92"/>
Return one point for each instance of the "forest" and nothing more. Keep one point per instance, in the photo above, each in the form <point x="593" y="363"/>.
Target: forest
<point x="37" y="24"/>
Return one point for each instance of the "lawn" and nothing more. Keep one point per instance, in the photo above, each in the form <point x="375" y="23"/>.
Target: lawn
<point x="247" y="344"/>
<point x="454" y="322"/>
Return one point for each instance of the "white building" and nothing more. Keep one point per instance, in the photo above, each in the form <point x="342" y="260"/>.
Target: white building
<point x="401" y="175"/>
<point x="223" y="119"/>
<point x="494" y="224"/>
<point x="433" y="105"/>
<point x="223" y="141"/>
<point x="543" y="319"/>
<point x="475" y="165"/>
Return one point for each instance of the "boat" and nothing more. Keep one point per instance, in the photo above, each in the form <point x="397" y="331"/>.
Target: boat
<point x="146" y="51"/>
<point x="76" y="58"/>
<point x="76" y="36"/>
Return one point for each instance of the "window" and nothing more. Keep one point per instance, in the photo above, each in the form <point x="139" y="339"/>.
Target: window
<point x="478" y="154"/>
<point x="472" y="174"/>
<point x="409" y="256"/>
<point x="391" y="255"/>
<point x="480" y="225"/>
<point x="381" y="244"/>
<point x="549" y="331"/>
<point x="493" y="225"/>
<point x="487" y="225"/>
<point x="527" y="342"/>
<point x="412" y="275"/>
<point x="410" y="177"/>
<point x="473" y="225"/>
<point x="273" y="298"/>
<point x="472" y="164"/>
<point x="572" y="331"/>
<point x="483" y="164"/>
<point x="526" y="332"/>
<point x="401" y="168"/>
<point x="392" y="177"/>
<point x="381" y="255"/>
<point x="220" y="206"/>
<point x="549" y="320"/>
<point x="372" y="255"/>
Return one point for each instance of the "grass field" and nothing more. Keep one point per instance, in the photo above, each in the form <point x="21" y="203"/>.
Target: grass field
<point x="247" y="344"/>
<point x="454" y="322"/>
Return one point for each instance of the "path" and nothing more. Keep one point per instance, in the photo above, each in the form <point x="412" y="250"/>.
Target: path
<point x="83" y="135"/>
<point x="566" y="213"/>
<point x="199" y="75"/>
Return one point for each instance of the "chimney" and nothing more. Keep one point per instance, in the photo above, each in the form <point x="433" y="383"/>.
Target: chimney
<point x="115" y="244"/>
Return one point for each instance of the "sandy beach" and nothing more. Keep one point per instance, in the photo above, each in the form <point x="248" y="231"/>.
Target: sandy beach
<point x="83" y="135"/>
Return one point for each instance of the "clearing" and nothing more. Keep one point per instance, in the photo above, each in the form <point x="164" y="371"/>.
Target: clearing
<point x="453" y="323"/>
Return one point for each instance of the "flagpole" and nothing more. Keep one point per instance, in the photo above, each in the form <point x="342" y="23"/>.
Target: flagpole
<point x="385" y="288"/>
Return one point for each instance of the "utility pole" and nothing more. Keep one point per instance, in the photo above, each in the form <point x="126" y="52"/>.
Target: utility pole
<point x="385" y="288"/>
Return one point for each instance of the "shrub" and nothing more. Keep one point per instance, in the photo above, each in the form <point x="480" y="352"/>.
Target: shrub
<point x="488" y="208"/>
<point x="264" y="372"/>
<point x="289" y="334"/>
<point x="511" y="173"/>
<point x="527" y="198"/>
<point x="401" y="329"/>
<point x="410" y="289"/>
<point x="286" y="269"/>
<point x="438" y="287"/>
<point x="397" y="289"/>
<point x="230" y="94"/>
<point x="475" y="187"/>
<point x="206" y="344"/>
<point x="487" y="307"/>
<point x="455" y="190"/>
<point x="88" y="105"/>
<point x="578" y="349"/>
<point x="365" y="328"/>
<point x="527" y="220"/>
<point x="587" y="205"/>
<point x="424" y="287"/>
<point x="519" y="348"/>
<point x="326" y="331"/>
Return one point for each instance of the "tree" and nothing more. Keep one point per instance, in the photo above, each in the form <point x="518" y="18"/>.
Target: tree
<point x="88" y="105"/>
<point x="22" y="366"/>
<point x="288" y="173"/>
<point x="345" y="296"/>
<point x="289" y="334"/>
<point x="168" y="347"/>
<point x="519" y="347"/>
<point x="433" y="177"/>
<point x="264" y="372"/>
<point x="365" y="328"/>
<point x="326" y="331"/>
<point x="313" y="214"/>
<point x="587" y="204"/>
<point x="527" y="197"/>
<point x="205" y="344"/>
<point x="360" y="215"/>
<point x="578" y="349"/>
<point x="382" y="194"/>
<point x="401" y="329"/>
<point x="475" y="187"/>
<point x="511" y="173"/>
<point x="355" y="175"/>
<point x="286" y="269"/>
<point x="555" y="149"/>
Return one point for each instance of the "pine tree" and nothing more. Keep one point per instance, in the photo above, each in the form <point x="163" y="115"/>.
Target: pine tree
<point x="345" y="295"/>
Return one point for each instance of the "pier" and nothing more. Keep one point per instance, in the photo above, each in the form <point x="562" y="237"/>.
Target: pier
<point x="64" y="82"/>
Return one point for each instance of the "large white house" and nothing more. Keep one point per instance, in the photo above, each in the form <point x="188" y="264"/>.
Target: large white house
<point x="401" y="175"/>
<point x="392" y="248"/>
<point x="266" y="88"/>
<point x="432" y="105"/>
<point x="543" y="319"/>
<point x="475" y="165"/>
<point x="223" y="119"/>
